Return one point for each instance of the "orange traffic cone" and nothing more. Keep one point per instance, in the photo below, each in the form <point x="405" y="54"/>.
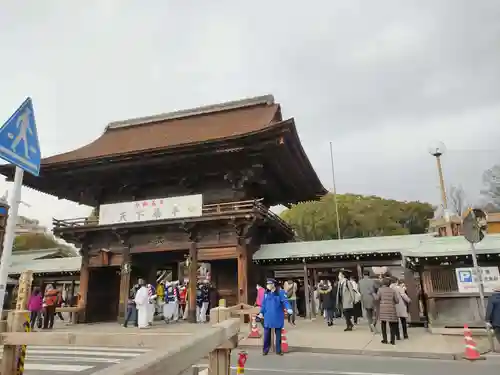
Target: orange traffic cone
<point x="284" y="341"/>
<point x="471" y="352"/>
<point x="254" y="331"/>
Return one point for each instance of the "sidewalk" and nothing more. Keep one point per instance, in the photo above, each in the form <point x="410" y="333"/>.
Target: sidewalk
<point x="317" y="337"/>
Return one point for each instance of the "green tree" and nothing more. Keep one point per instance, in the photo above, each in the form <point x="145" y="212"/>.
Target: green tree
<point x="360" y="216"/>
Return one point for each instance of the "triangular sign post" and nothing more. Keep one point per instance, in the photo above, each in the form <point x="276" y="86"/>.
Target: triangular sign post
<point x="18" y="145"/>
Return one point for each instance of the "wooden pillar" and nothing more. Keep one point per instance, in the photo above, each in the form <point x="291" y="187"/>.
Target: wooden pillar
<point x="193" y="279"/>
<point x="84" y="284"/>
<point x="306" y="291"/>
<point x="220" y="359"/>
<point x="242" y="253"/>
<point x="15" y="321"/>
<point x="412" y="292"/>
<point x="359" y="271"/>
<point x="72" y="292"/>
<point x="125" y="272"/>
<point x="315" y="281"/>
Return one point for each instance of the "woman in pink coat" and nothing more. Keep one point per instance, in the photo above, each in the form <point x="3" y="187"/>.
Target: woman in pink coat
<point x="35" y="306"/>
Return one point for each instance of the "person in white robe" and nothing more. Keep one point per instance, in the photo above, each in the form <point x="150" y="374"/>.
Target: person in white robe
<point x="142" y="303"/>
<point x="152" y="303"/>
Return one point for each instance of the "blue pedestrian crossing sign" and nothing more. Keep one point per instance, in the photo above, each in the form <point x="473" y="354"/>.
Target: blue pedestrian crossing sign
<point x="19" y="139"/>
<point x="465" y="276"/>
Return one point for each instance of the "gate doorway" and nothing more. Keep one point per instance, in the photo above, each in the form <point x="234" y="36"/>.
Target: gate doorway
<point x="103" y="294"/>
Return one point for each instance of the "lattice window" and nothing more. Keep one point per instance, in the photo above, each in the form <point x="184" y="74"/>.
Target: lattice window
<point x="443" y="280"/>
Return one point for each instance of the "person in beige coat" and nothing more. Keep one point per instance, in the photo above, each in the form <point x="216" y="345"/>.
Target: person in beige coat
<point x="388" y="299"/>
<point x="401" y="308"/>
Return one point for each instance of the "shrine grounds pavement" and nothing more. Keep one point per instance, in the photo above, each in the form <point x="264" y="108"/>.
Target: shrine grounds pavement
<point x="316" y="337"/>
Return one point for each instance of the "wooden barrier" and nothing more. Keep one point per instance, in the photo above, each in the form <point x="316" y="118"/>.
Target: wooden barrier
<point x="15" y="322"/>
<point x="219" y="340"/>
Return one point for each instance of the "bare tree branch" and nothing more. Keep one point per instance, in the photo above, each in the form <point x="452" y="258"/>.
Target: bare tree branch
<point x="457" y="199"/>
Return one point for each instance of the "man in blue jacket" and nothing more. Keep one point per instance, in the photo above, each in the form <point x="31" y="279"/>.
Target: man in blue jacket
<point x="493" y="314"/>
<point x="272" y="311"/>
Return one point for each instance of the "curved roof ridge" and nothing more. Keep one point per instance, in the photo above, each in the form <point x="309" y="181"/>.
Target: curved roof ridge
<point x="197" y="111"/>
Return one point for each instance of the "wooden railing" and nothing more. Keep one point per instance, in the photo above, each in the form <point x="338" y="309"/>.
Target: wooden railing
<point x="208" y="210"/>
<point x="171" y="352"/>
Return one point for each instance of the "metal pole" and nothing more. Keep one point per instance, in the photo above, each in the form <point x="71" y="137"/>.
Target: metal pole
<point x="482" y="305"/>
<point x="480" y="277"/>
<point x="10" y="234"/>
<point x="441" y="182"/>
<point x="335" y="192"/>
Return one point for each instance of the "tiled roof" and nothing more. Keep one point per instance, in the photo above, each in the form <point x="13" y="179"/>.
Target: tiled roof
<point x="369" y="245"/>
<point x="21" y="256"/>
<point x="178" y="128"/>
<point x="55" y="265"/>
<point x="458" y="245"/>
<point x="420" y="245"/>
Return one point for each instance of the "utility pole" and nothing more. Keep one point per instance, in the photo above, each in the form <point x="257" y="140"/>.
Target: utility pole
<point x="474" y="226"/>
<point x="335" y="193"/>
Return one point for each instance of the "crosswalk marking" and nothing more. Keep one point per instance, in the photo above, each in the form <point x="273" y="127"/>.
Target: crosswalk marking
<point x="90" y="348"/>
<point x="69" y="359"/>
<point x="84" y="352"/>
<point x="36" y="358"/>
<point x="53" y="367"/>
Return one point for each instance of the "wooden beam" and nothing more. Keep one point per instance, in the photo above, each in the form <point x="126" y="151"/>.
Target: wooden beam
<point x="174" y="361"/>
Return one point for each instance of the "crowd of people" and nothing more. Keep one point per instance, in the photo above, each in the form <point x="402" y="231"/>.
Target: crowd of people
<point x="168" y="299"/>
<point x="383" y="298"/>
<point x="42" y="307"/>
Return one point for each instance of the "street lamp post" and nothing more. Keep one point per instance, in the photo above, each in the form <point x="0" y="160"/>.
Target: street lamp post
<point x="437" y="151"/>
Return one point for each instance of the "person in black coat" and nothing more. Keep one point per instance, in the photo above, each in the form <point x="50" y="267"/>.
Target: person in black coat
<point x="327" y="298"/>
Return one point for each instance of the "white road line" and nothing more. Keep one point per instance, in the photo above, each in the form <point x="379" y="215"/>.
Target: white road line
<point x="309" y="371"/>
<point x="85" y="353"/>
<point x="91" y="348"/>
<point x="50" y="367"/>
<point x="36" y="358"/>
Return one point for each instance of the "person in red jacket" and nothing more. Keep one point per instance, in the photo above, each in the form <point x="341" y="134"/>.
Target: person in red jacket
<point x="50" y="301"/>
<point x="182" y="300"/>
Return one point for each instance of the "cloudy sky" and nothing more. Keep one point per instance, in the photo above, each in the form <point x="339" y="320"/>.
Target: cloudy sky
<point x="380" y="79"/>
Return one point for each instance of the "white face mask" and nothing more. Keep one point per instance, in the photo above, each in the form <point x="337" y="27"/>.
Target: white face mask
<point x="270" y="286"/>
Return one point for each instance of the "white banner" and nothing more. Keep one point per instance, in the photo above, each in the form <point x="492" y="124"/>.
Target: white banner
<point x="151" y="209"/>
<point x="468" y="280"/>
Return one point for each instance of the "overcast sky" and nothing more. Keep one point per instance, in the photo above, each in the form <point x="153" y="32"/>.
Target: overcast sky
<point x="380" y="79"/>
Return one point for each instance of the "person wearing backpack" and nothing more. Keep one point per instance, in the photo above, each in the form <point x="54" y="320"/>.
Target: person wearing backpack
<point x="291" y="293"/>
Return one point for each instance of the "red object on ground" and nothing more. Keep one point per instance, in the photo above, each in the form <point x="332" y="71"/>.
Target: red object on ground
<point x="242" y="359"/>
<point x="284" y="341"/>
<point x="471" y="352"/>
<point x="254" y="331"/>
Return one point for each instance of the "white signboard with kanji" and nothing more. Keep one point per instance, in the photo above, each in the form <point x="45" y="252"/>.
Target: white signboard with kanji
<point x="151" y="209"/>
<point x="468" y="280"/>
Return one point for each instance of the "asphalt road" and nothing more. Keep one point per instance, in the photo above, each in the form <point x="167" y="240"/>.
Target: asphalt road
<point x="325" y="364"/>
<point x="88" y="360"/>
